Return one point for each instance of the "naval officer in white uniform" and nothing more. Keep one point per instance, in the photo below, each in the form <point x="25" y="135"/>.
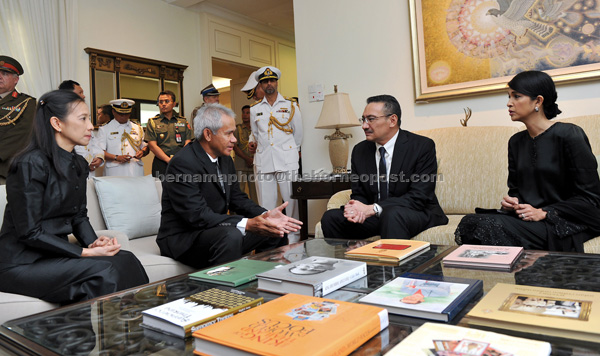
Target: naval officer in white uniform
<point x="277" y="128"/>
<point x="122" y="142"/>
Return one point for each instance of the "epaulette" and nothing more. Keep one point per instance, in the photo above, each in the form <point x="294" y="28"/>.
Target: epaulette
<point x="104" y="124"/>
<point x="293" y="100"/>
<point x="256" y="102"/>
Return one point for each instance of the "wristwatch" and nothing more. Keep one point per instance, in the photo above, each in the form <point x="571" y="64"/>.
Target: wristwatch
<point x="377" y="210"/>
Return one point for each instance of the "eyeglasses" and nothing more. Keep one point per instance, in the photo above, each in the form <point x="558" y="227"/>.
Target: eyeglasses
<point x="166" y="101"/>
<point x="370" y="119"/>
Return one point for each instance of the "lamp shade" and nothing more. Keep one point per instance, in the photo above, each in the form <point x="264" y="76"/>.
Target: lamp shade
<point x="337" y="112"/>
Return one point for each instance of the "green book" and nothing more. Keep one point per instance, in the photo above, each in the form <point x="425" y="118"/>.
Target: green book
<point x="234" y="273"/>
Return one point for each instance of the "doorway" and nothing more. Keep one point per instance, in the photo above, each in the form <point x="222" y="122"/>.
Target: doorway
<point x="230" y="78"/>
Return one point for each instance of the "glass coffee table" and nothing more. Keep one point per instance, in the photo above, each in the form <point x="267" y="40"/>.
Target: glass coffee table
<point x="110" y="325"/>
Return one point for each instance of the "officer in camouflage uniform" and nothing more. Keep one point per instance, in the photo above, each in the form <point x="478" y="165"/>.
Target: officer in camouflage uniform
<point x="166" y="133"/>
<point x="16" y="114"/>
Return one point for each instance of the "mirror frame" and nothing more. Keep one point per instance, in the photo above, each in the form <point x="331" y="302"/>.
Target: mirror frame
<point x="119" y="63"/>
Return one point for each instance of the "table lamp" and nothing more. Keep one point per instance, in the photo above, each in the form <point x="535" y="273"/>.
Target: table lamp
<point x="335" y="114"/>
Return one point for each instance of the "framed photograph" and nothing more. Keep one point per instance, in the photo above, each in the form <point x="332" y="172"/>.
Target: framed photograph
<point x="544" y="306"/>
<point x="466" y="47"/>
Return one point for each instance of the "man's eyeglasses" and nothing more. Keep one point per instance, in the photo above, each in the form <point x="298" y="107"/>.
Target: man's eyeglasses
<point x="166" y="101"/>
<point x="370" y="119"/>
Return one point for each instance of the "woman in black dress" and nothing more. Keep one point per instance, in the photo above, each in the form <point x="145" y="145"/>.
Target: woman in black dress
<point x="46" y="194"/>
<point x="553" y="200"/>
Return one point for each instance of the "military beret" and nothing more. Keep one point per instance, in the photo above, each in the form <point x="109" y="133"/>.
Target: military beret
<point x="9" y="64"/>
<point x="123" y="106"/>
<point x="267" y="73"/>
<point x="210" y="90"/>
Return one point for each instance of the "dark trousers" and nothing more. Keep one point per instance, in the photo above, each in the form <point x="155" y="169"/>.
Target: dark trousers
<point x="158" y="167"/>
<point x="394" y="223"/>
<point x="223" y="244"/>
<point x="67" y="280"/>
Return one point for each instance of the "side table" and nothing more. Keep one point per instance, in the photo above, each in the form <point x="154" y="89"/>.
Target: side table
<point x="319" y="187"/>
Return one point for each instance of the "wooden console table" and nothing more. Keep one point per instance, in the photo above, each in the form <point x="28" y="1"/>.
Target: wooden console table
<point x="316" y="188"/>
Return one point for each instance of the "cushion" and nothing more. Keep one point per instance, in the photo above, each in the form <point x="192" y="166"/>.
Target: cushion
<point x="129" y="204"/>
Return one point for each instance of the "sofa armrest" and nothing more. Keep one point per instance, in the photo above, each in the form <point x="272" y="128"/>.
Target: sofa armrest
<point x="339" y="199"/>
<point x="121" y="237"/>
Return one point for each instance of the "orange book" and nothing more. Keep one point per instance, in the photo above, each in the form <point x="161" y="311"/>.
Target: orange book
<point x="293" y="325"/>
<point x="389" y="250"/>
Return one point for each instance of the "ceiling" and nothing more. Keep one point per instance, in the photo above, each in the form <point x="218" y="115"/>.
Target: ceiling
<point x="275" y="14"/>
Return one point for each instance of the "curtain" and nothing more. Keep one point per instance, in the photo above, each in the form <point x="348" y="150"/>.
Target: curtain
<point x="42" y="36"/>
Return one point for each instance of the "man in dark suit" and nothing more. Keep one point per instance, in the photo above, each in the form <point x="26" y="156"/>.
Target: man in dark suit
<point x="393" y="180"/>
<point x="199" y="188"/>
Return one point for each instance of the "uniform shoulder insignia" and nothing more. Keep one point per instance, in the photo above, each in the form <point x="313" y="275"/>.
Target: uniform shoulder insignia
<point x="293" y="100"/>
<point x="254" y="103"/>
<point x="104" y="124"/>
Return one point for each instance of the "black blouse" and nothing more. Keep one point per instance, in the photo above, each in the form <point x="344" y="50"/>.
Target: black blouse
<point x="556" y="171"/>
<point x="43" y="208"/>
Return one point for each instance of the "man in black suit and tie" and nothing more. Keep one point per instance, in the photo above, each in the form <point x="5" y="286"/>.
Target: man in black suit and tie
<point x="200" y="187"/>
<point x="393" y="180"/>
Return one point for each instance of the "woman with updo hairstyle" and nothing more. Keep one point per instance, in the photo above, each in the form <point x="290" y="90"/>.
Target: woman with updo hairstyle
<point x="553" y="200"/>
<point x="46" y="201"/>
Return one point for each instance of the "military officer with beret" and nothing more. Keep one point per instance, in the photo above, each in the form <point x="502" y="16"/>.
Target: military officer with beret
<point x="16" y="114"/>
<point x="210" y="95"/>
<point x="122" y="142"/>
<point x="166" y="133"/>
<point x="277" y="128"/>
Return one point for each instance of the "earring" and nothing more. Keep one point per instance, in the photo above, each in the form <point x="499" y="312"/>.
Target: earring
<point x="537" y="109"/>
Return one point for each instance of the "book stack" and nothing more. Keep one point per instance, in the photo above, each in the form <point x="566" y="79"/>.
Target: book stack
<point x="389" y="250"/>
<point x="441" y="339"/>
<point x="233" y="273"/>
<point x="425" y="296"/>
<point x="561" y="313"/>
<point x="183" y="316"/>
<point x="293" y="325"/>
<point x="484" y="257"/>
<point x="313" y="276"/>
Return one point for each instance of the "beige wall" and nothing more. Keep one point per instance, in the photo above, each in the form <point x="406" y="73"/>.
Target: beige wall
<point x="365" y="48"/>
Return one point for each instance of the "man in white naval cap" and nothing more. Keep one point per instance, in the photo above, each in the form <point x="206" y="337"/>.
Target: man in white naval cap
<point x="122" y="142"/>
<point x="277" y="128"/>
<point x="252" y="89"/>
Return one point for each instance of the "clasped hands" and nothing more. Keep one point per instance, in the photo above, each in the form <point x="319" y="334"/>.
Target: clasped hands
<point x="103" y="246"/>
<point x="273" y="223"/>
<point x="357" y="212"/>
<point x="525" y="212"/>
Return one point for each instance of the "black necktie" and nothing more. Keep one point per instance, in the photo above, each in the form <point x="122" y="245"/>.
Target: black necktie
<point x="383" y="188"/>
<point x="220" y="177"/>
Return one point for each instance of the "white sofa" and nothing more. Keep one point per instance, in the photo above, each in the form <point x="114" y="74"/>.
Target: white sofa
<point x="145" y="248"/>
<point x="472" y="165"/>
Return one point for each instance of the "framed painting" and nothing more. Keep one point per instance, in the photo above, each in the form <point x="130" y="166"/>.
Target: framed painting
<point x="466" y="47"/>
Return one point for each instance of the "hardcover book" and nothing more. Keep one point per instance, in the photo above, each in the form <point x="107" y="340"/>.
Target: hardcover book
<point x="433" y="339"/>
<point x="562" y="313"/>
<point x="425" y="296"/>
<point x="234" y="273"/>
<point x="314" y="276"/>
<point x="183" y="316"/>
<point x="389" y="250"/>
<point x="293" y="325"/>
<point x="481" y="256"/>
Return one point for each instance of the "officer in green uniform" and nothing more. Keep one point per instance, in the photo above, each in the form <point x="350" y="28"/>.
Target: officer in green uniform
<point x="16" y="114"/>
<point x="166" y="133"/>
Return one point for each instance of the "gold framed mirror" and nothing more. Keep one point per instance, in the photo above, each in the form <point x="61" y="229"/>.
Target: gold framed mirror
<point x="116" y="75"/>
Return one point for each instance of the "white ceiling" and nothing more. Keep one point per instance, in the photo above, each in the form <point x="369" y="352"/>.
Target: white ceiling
<point x="275" y="14"/>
